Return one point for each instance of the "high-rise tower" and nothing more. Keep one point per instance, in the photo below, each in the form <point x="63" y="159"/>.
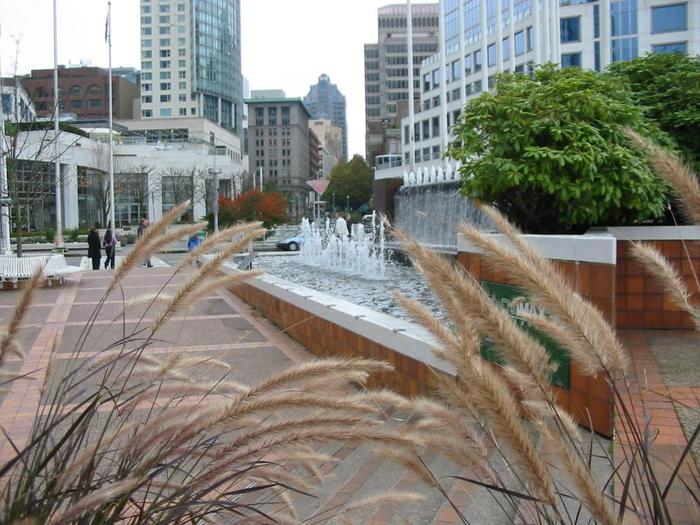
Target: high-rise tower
<point x="325" y="101"/>
<point x="191" y="60"/>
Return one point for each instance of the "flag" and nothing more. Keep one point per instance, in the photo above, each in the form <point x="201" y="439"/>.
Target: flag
<point x="107" y="35"/>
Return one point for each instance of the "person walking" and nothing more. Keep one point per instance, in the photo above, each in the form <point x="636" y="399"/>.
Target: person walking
<point x="143" y="224"/>
<point x="94" y="248"/>
<point x="110" y="245"/>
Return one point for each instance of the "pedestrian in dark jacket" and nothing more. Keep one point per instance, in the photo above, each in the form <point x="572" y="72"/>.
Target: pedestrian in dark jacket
<point x="94" y="251"/>
<point x="110" y="245"/>
<point x="143" y="224"/>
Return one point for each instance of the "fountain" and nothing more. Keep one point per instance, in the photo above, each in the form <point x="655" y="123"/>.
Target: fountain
<point x="361" y="254"/>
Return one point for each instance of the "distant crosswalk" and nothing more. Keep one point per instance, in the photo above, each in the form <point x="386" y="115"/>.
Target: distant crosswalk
<point x="86" y="263"/>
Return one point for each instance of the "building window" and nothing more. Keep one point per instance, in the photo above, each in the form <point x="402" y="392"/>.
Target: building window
<point x="623" y="15"/>
<point x="164" y="30"/>
<point x="519" y="43"/>
<point x="146" y="31"/>
<point x="624" y="49"/>
<point x="76" y="104"/>
<point x="426" y="82"/>
<point x="677" y="47"/>
<point x="183" y="112"/>
<point x="182" y="52"/>
<point x="271" y="116"/>
<point x="436" y="127"/>
<point x="259" y="117"/>
<point x="166" y="112"/>
<point x="181" y="41"/>
<point x="165" y="98"/>
<point x="146" y="76"/>
<point x="570" y="29"/>
<point x="182" y="74"/>
<point x="165" y="75"/>
<point x="426" y="129"/>
<point x="94" y="91"/>
<point x="164" y="19"/>
<point x="165" y="86"/>
<point x="147" y="99"/>
<point x="491" y="54"/>
<point x="182" y="97"/>
<point x="285" y="116"/>
<point x="506" y="49"/>
<point x="146" y="53"/>
<point x="456" y="70"/>
<point x="164" y="8"/>
<point x="668" y="18"/>
<point x="467" y="65"/>
<point x="145" y="87"/>
<point x="436" y="78"/>
<point x="181" y="8"/>
<point x="571" y="60"/>
<point x="164" y="42"/>
<point x="193" y="111"/>
<point x="94" y="104"/>
<point x="76" y="91"/>
<point x="182" y="85"/>
<point x="477" y="61"/>
<point x="164" y="53"/>
<point x="165" y="64"/>
<point x="182" y="63"/>
<point x="146" y="113"/>
<point x="146" y="64"/>
<point x="530" y="39"/>
<point x="146" y="42"/>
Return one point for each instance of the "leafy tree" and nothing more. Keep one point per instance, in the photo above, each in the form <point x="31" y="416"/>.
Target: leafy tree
<point x="354" y="179"/>
<point x="549" y="151"/>
<point x="269" y="207"/>
<point x="668" y="85"/>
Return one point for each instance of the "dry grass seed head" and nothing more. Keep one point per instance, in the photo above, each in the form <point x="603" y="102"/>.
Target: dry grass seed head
<point x="673" y="284"/>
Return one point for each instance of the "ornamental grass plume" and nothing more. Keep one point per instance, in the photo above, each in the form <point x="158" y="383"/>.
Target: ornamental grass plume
<point x="126" y="436"/>
<point x="507" y="411"/>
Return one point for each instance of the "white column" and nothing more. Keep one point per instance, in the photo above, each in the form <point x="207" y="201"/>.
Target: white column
<point x="556" y="32"/>
<point x="605" y="32"/>
<point x="511" y="34"/>
<point x="58" y="238"/>
<point x="483" y="27"/>
<point x="411" y="108"/>
<point x="499" y="35"/>
<point x="463" y="89"/>
<point x="536" y="31"/>
<point x="4" y="210"/>
<point x="155" y="196"/>
<point x="70" y="195"/>
<point x="547" y="31"/>
<point x="443" y="79"/>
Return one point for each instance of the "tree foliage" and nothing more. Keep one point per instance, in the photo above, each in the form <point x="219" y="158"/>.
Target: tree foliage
<point x="353" y="179"/>
<point x="253" y="205"/>
<point x="550" y="152"/>
<point x="668" y="86"/>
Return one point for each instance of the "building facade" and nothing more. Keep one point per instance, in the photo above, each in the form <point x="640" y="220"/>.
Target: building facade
<point x="82" y="91"/>
<point x="279" y="145"/>
<point x="386" y="73"/>
<point x="330" y="136"/>
<point x="325" y="101"/>
<point x="16" y="104"/>
<point x="516" y="35"/>
<point x="191" y="60"/>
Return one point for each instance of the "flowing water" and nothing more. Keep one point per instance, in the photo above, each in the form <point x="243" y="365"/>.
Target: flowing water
<point x="431" y="214"/>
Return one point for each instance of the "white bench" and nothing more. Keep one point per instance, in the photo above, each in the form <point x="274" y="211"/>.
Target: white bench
<point x="14" y="269"/>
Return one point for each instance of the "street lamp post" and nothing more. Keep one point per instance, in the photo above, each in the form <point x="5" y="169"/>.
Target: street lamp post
<point x="215" y="149"/>
<point x="347" y="203"/>
<point x="333" y="202"/>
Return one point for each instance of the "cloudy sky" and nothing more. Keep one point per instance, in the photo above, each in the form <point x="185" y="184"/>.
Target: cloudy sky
<point x="287" y="44"/>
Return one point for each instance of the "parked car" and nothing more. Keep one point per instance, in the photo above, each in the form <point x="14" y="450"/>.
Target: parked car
<point x="291" y="243"/>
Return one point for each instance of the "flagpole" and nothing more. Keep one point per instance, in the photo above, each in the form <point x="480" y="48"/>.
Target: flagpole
<point x="112" y="204"/>
<point x="57" y="163"/>
<point x="5" y="248"/>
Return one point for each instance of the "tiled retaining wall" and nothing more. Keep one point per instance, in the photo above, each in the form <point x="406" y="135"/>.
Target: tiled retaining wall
<point x="327" y="339"/>
<point x="640" y="299"/>
<point x="588" y="397"/>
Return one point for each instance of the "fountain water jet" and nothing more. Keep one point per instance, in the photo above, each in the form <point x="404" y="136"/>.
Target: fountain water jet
<point x="362" y="254"/>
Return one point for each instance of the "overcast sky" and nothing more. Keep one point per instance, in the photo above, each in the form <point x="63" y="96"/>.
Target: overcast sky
<point x="287" y="44"/>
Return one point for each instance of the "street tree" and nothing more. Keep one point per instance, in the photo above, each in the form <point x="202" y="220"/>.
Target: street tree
<point x="353" y="179"/>
<point x="550" y="152"/>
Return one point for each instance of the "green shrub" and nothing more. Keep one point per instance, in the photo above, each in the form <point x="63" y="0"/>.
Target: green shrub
<point x="550" y="152"/>
<point x="50" y="235"/>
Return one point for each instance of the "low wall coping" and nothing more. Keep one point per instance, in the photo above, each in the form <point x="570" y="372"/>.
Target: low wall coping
<point x="655" y="233"/>
<point x="590" y="247"/>
<point x="401" y="336"/>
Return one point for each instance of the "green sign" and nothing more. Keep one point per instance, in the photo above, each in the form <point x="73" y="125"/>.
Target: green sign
<point x="504" y="295"/>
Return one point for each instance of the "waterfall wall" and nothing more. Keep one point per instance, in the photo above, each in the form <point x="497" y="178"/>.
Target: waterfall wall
<point x="431" y="213"/>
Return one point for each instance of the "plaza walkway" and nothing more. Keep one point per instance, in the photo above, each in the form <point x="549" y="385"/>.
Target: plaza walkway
<point x="222" y="327"/>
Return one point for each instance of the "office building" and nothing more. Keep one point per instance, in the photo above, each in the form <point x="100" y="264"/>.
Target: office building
<point x="279" y="145"/>
<point x="386" y="73"/>
<point x="191" y="60"/>
<point x="331" y="137"/>
<point x="16" y="104"/>
<point x="523" y="33"/>
<point x="325" y="101"/>
<point x="82" y="91"/>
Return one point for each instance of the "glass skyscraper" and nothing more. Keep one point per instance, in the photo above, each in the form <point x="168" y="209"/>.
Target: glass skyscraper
<point x="325" y="101"/>
<point x="191" y="60"/>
